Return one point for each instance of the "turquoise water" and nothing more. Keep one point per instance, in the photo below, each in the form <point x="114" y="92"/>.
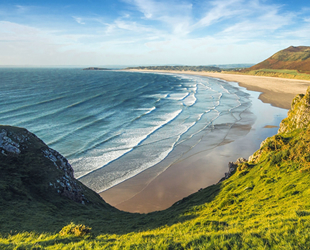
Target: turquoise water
<point x="112" y="125"/>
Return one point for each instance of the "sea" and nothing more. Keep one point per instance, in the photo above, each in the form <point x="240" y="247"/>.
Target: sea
<point x="112" y="125"/>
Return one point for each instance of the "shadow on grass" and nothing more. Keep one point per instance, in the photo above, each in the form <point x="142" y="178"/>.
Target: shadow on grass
<point x="180" y="212"/>
<point x="40" y="218"/>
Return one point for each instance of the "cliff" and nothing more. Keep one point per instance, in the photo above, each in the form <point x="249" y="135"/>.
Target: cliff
<point x="38" y="190"/>
<point x="33" y="171"/>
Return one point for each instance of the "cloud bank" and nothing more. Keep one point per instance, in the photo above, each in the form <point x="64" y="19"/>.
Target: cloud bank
<point x="144" y="32"/>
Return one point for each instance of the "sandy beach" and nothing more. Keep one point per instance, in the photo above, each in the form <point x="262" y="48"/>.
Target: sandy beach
<point x="279" y="92"/>
<point x="159" y="187"/>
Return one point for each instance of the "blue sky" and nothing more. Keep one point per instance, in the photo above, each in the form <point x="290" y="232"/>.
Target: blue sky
<point x="149" y="32"/>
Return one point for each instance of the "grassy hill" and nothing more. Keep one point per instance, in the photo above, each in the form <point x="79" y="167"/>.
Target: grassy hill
<point x="292" y="62"/>
<point x="265" y="204"/>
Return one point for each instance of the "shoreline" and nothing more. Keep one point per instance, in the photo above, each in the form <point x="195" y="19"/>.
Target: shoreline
<point x="157" y="188"/>
<point x="279" y="92"/>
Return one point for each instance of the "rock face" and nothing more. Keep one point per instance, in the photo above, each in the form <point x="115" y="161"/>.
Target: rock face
<point x="30" y="169"/>
<point x="7" y="144"/>
<point x="299" y="115"/>
<point x="66" y="185"/>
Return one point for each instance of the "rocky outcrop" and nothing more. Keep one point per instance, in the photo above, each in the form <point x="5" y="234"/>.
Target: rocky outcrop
<point x="66" y="185"/>
<point x="7" y="145"/>
<point x="255" y="157"/>
<point x="232" y="166"/>
<point x="299" y="115"/>
<point x="29" y="168"/>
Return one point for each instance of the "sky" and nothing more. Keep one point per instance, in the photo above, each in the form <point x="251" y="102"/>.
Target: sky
<point x="149" y="32"/>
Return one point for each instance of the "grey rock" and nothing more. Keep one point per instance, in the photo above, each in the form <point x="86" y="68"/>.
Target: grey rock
<point x="7" y="144"/>
<point x="240" y="160"/>
<point x="15" y="141"/>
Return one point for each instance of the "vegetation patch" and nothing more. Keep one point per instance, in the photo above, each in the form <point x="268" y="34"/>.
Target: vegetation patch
<point x="282" y="73"/>
<point x="76" y="230"/>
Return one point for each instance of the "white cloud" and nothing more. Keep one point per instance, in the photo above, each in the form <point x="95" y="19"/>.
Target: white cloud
<point x="175" y="15"/>
<point x="128" y="29"/>
<point x="246" y="21"/>
<point x="220" y="10"/>
<point x="131" y="26"/>
<point x="158" y="32"/>
<point x="234" y="16"/>
<point x="160" y="10"/>
<point x="15" y="32"/>
<point x="78" y="20"/>
<point x="21" y="8"/>
<point x="26" y="45"/>
<point x="23" y="44"/>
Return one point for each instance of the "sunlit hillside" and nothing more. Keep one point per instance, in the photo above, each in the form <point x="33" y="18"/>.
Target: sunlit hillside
<point x="265" y="204"/>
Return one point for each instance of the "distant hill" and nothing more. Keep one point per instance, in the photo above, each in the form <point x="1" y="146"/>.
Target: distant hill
<point x="179" y="68"/>
<point x="95" y="68"/>
<point x="291" y="58"/>
<point x="233" y="66"/>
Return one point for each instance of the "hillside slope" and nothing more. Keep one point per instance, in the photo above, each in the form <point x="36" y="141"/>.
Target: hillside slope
<point x="32" y="171"/>
<point x="37" y="184"/>
<point x="264" y="204"/>
<point x="292" y="58"/>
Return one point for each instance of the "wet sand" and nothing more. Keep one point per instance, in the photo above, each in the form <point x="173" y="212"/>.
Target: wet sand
<point x="159" y="187"/>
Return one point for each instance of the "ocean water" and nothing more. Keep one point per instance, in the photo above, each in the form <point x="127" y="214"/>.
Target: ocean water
<point x="111" y="125"/>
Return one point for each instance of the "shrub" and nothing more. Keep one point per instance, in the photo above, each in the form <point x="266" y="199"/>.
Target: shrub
<point x="76" y="230"/>
<point x="276" y="159"/>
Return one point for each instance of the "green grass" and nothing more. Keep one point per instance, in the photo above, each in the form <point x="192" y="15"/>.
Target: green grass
<point x="265" y="204"/>
<point x="282" y="73"/>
